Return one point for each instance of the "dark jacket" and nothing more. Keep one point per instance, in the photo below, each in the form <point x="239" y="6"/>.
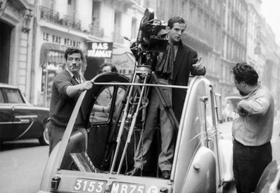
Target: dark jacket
<point x="183" y="66"/>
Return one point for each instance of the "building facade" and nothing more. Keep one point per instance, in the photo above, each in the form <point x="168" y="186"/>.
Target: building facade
<point x="262" y="49"/>
<point x="270" y="50"/>
<point x="16" y="31"/>
<point x="254" y="36"/>
<point x="235" y="41"/>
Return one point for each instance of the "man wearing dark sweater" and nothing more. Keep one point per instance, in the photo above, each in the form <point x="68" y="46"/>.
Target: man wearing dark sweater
<point x="66" y="89"/>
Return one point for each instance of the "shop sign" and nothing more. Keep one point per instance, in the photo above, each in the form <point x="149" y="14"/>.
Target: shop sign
<point x="100" y="49"/>
<point x="59" y="40"/>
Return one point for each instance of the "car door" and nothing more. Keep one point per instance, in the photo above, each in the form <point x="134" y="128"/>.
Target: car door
<point x="6" y="117"/>
<point x="22" y="115"/>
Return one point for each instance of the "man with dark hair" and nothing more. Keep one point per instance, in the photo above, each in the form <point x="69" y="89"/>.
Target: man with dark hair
<point x="252" y="130"/>
<point x="67" y="86"/>
<point x="172" y="67"/>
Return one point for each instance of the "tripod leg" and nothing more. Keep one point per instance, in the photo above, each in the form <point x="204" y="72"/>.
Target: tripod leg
<point x="133" y="122"/>
<point x="125" y="113"/>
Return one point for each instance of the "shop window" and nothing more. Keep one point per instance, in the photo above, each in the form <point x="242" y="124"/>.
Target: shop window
<point x="54" y="64"/>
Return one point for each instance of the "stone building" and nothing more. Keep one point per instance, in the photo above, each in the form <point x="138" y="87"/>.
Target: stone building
<point x="262" y="49"/>
<point x="235" y="42"/>
<point x="270" y="75"/>
<point x="16" y="31"/>
<point x="254" y="36"/>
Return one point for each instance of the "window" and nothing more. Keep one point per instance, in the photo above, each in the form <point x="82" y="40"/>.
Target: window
<point x="117" y="27"/>
<point x="13" y="96"/>
<point x="1" y="97"/>
<point x="96" y="12"/>
<point x="133" y="28"/>
<point x="103" y="101"/>
<point x="71" y="9"/>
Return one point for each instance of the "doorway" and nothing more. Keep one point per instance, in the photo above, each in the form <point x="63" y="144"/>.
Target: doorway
<point x="5" y="41"/>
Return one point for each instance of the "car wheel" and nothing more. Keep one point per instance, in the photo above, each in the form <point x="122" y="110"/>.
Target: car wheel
<point x="44" y="140"/>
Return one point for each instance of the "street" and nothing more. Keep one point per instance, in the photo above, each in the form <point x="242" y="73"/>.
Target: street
<point x="22" y="162"/>
<point x="21" y="165"/>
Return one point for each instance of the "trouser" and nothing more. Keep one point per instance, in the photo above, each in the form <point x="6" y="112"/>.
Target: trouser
<point x="55" y="135"/>
<point x="248" y="164"/>
<point x="157" y="112"/>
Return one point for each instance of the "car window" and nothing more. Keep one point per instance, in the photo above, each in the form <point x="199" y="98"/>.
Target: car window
<point x="13" y="96"/>
<point x="103" y="101"/>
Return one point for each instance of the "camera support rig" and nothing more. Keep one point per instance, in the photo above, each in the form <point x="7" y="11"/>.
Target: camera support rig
<point x="136" y="100"/>
<point x="150" y="41"/>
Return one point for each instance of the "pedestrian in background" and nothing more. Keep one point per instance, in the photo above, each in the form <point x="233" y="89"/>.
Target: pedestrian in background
<point x="107" y="67"/>
<point x="252" y="130"/>
<point x="102" y="105"/>
<point x="67" y="86"/>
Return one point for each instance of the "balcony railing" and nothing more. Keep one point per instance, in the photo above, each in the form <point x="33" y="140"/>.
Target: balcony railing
<point x="52" y="16"/>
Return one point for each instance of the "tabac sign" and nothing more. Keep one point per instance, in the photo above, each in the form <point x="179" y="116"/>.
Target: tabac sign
<point x="100" y="49"/>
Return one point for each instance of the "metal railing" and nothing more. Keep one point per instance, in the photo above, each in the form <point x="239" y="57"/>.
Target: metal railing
<point x="69" y="21"/>
<point x="53" y="16"/>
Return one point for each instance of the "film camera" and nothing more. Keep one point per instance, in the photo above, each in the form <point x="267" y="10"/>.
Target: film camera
<point x="151" y="39"/>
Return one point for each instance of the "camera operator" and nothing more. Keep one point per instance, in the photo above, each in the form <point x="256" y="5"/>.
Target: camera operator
<point x="172" y="67"/>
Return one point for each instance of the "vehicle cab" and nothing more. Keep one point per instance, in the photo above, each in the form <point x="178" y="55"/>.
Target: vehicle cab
<point x="86" y="159"/>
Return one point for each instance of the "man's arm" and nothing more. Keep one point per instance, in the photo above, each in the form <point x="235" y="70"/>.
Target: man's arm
<point x="197" y="67"/>
<point x="71" y="91"/>
<point x="255" y="106"/>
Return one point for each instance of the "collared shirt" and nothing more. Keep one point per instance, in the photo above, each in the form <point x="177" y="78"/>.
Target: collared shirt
<point x="255" y="128"/>
<point x="79" y="80"/>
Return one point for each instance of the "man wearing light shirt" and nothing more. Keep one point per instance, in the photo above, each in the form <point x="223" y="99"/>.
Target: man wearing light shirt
<point x="252" y="130"/>
<point x="67" y="86"/>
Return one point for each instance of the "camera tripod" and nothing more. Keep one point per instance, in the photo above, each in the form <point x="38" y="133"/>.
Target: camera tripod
<point x="136" y="100"/>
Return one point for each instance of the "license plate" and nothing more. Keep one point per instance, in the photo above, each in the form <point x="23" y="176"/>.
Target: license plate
<point x="89" y="186"/>
<point x="127" y="188"/>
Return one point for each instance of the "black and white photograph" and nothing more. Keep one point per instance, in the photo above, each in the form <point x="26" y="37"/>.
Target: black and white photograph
<point x="139" y="96"/>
